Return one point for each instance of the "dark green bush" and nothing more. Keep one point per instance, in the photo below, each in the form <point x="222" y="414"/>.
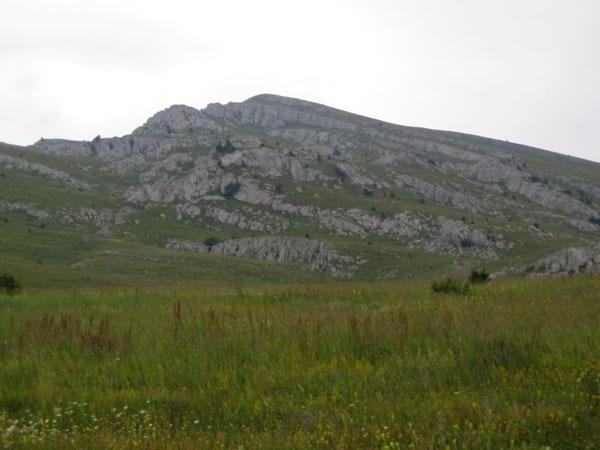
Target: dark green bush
<point x="479" y="276"/>
<point x="211" y="241"/>
<point x="451" y="286"/>
<point x="8" y="284"/>
<point x="228" y="147"/>
<point x="467" y="243"/>
<point x="368" y="192"/>
<point x="231" y="189"/>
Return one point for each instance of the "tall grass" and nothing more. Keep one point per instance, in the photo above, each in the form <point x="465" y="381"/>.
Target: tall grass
<point x="513" y="364"/>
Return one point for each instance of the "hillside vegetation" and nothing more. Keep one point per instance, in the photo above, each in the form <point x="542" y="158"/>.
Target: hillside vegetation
<point x="512" y="364"/>
<point x="289" y="189"/>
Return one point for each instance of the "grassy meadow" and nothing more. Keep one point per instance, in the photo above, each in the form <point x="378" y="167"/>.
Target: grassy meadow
<point x="513" y="364"/>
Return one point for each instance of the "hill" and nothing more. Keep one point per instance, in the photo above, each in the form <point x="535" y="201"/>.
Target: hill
<point x="281" y="189"/>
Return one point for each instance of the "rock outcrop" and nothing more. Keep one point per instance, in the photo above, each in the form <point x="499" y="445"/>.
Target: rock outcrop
<point x="569" y="261"/>
<point x="440" y="194"/>
<point x="11" y="162"/>
<point x="271" y="165"/>
<point x="319" y="255"/>
<point x="101" y="218"/>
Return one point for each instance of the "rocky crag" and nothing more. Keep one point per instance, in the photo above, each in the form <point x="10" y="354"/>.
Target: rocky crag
<point x="317" y="254"/>
<point x="266" y="174"/>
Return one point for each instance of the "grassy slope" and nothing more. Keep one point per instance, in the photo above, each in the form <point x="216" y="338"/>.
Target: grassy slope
<point x="41" y="252"/>
<point x="514" y="365"/>
<point x="46" y="258"/>
<point x="42" y="257"/>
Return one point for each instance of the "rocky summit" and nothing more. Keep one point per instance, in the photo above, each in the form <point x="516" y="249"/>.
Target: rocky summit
<point x="276" y="188"/>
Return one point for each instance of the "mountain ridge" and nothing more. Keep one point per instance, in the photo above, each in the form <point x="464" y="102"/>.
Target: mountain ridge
<point x="364" y="189"/>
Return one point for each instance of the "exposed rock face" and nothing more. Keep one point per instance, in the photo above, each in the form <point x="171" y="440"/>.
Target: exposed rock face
<point x="28" y="208"/>
<point x="318" y="254"/>
<point x="175" y="119"/>
<point x="355" y="177"/>
<point x="440" y="194"/>
<point x="309" y="123"/>
<point x="585" y="225"/>
<point x="519" y="181"/>
<point x="101" y="218"/>
<point x="454" y="237"/>
<point x="26" y="166"/>
<point x="570" y="260"/>
<point x="273" y="112"/>
<point x="63" y="147"/>
<point x="433" y="234"/>
<point x="242" y="218"/>
<point x="113" y="149"/>
<point x="272" y="164"/>
<point x="205" y="176"/>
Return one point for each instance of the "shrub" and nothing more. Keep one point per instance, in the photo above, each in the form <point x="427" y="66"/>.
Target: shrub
<point x="227" y="148"/>
<point x="368" y="192"/>
<point x="8" y="284"/>
<point x="339" y="173"/>
<point x="211" y="241"/>
<point x="479" y="276"/>
<point x="467" y="243"/>
<point x="231" y="189"/>
<point x="451" y="286"/>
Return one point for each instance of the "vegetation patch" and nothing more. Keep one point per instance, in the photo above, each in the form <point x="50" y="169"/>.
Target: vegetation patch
<point x="231" y="189"/>
<point x="479" y="276"/>
<point x="9" y="284"/>
<point x="211" y="241"/>
<point x="228" y="147"/>
<point x="378" y="365"/>
<point x="451" y="286"/>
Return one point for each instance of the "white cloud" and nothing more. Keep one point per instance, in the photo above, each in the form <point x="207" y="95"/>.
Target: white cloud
<point x="523" y="71"/>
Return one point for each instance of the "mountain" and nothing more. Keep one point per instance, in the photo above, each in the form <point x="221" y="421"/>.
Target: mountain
<point x="276" y="188"/>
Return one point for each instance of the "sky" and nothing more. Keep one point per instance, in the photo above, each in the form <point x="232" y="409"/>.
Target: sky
<point x="523" y="71"/>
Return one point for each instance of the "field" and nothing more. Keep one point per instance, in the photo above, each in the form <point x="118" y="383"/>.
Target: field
<point x="514" y="364"/>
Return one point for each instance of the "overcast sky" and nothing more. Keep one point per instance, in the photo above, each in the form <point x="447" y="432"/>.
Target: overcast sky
<point x="526" y="71"/>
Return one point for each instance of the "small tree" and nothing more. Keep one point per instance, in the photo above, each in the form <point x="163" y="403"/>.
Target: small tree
<point x="479" y="276"/>
<point x="228" y="147"/>
<point x="231" y="189"/>
<point x="467" y="243"/>
<point x="8" y="284"/>
<point x="211" y="241"/>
